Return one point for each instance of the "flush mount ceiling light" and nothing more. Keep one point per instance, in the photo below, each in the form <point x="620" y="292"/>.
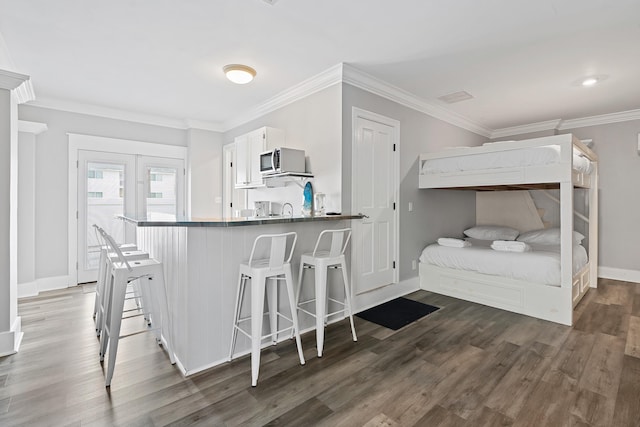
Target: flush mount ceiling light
<point x="589" y="81"/>
<point x="238" y="73"/>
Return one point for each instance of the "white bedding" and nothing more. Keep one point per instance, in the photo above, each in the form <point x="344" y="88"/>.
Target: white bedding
<point x="541" y="265"/>
<point x="535" y="156"/>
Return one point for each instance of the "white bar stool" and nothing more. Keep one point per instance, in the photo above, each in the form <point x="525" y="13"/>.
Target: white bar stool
<point x="102" y="264"/>
<point x="150" y="274"/>
<point x="133" y="293"/>
<point x="265" y="275"/>
<point x="130" y="252"/>
<point x="321" y="261"/>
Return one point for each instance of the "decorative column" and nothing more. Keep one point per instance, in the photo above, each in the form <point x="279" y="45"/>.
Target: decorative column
<point x="27" y="140"/>
<point x="14" y="89"/>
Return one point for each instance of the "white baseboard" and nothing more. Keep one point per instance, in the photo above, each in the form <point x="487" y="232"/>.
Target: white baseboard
<point x="10" y="340"/>
<point x="32" y="289"/>
<point x="28" y="289"/>
<point x="619" y="274"/>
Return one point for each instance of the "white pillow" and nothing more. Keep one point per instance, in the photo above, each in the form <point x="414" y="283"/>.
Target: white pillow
<point x="492" y="232"/>
<point x="548" y="236"/>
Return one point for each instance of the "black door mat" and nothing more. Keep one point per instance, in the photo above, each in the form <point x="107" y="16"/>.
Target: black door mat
<point x="397" y="313"/>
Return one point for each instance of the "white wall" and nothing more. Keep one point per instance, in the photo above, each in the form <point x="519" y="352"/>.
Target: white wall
<point x="616" y="145"/>
<point x="205" y="172"/>
<point x="51" y="162"/>
<point x="314" y="125"/>
<point x="26" y="207"/>
<point x="436" y="213"/>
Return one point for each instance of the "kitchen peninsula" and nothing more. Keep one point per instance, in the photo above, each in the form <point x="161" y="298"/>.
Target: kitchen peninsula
<point x="201" y="259"/>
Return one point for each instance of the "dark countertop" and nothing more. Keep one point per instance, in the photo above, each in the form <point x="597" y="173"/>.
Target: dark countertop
<point x="229" y="222"/>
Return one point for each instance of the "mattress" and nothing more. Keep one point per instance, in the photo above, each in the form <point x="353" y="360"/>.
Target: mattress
<point x="522" y="157"/>
<point x="541" y="265"/>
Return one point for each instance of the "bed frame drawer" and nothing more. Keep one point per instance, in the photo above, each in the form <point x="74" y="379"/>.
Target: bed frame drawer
<point x="487" y="292"/>
<point x="580" y="284"/>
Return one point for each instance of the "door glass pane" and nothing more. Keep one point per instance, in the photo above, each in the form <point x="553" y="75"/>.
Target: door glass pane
<point x="105" y="200"/>
<point x="161" y="193"/>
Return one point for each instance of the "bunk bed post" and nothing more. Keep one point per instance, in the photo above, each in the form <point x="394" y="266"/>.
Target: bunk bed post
<point x="593" y="227"/>
<point x="566" y="233"/>
<point x="566" y="250"/>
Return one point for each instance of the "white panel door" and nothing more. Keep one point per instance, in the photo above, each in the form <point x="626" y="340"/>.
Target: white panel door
<point x="106" y="188"/>
<point x="374" y="195"/>
<point x="233" y="199"/>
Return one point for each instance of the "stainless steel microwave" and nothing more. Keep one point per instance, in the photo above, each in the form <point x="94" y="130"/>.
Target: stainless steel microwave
<point x="282" y="160"/>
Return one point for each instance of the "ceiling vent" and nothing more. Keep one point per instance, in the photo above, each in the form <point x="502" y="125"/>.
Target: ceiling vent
<point x="456" y="97"/>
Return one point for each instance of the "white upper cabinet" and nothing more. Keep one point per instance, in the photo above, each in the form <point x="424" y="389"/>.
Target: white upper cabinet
<point x="248" y="149"/>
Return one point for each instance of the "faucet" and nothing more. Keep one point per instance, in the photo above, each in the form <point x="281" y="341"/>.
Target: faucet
<point x="290" y="207"/>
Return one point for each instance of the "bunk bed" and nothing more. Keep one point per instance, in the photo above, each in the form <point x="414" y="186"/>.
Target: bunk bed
<point x="555" y="162"/>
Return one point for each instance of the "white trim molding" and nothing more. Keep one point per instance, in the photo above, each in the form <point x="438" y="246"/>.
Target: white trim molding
<point x="119" y="114"/>
<point x="32" y="289"/>
<point x="339" y="73"/>
<point x="306" y="88"/>
<point x="28" y="289"/>
<point x="24" y="92"/>
<point x="559" y="124"/>
<point x="603" y="119"/>
<point x="520" y="130"/>
<point x="19" y="83"/>
<point x="364" y="81"/>
<point x="10" y="340"/>
<point x="622" y="274"/>
<point x="10" y="80"/>
<point x="31" y="127"/>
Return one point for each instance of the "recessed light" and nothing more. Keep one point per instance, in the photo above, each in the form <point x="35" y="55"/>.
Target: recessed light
<point x="589" y="81"/>
<point x="238" y="73"/>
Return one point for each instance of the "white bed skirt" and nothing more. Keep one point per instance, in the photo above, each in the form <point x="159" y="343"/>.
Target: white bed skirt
<point x="546" y="302"/>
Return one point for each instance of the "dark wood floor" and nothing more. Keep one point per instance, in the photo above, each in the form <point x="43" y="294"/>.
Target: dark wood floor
<point x="464" y="365"/>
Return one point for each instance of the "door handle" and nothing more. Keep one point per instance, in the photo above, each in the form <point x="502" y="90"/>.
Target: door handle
<point x="363" y="215"/>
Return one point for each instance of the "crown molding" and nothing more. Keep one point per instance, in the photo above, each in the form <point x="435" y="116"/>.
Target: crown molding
<point x="559" y="124"/>
<point x="603" y="119"/>
<point x="362" y="80"/>
<point x="19" y="83"/>
<point x="203" y="125"/>
<point x="339" y="73"/>
<point x="522" y="129"/>
<point x="118" y="114"/>
<point x="31" y="127"/>
<point x="303" y="89"/>
<point x="10" y="80"/>
<point x="24" y="92"/>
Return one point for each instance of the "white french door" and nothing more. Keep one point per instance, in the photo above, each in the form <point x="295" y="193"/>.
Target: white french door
<point x="112" y="184"/>
<point x="106" y="189"/>
<point x="375" y="189"/>
<point x="161" y="184"/>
